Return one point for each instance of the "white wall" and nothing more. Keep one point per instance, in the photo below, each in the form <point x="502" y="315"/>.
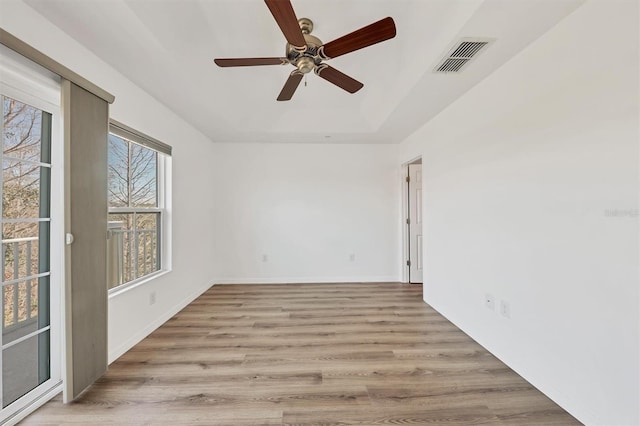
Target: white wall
<point x="131" y="317"/>
<point x="307" y="207"/>
<point x="522" y="178"/>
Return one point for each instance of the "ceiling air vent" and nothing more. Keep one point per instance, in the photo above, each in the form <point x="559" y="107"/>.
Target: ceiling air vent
<point x="461" y="54"/>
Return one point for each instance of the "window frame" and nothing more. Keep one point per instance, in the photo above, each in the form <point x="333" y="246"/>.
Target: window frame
<point x="163" y="165"/>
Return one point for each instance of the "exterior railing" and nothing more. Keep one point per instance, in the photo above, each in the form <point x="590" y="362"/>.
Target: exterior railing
<point x="17" y="291"/>
<point x="132" y="253"/>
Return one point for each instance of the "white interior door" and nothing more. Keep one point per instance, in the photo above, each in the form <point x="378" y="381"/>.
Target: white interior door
<point x="415" y="223"/>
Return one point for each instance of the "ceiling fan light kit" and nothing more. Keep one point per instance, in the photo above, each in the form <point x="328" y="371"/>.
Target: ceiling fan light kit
<point x="307" y="53"/>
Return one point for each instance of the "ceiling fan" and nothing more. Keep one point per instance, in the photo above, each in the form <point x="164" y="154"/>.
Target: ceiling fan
<point x="307" y="52"/>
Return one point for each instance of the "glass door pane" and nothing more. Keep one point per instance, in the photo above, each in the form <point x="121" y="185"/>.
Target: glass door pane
<point x="25" y="221"/>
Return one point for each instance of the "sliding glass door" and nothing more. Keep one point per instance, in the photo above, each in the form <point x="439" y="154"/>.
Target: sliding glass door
<point x="27" y="353"/>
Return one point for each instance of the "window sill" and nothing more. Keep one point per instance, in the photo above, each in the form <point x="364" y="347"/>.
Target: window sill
<point x="137" y="283"/>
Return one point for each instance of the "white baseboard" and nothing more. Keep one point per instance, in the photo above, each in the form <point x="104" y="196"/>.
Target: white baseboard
<point x="564" y="400"/>
<point x="138" y="337"/>
<point x="305" y="280"/>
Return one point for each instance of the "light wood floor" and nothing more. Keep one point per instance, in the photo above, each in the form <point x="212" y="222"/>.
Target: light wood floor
<point x="346" y="354"/>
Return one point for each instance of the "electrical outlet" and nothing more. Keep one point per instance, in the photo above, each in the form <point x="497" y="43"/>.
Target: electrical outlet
<point x="505" y="309"/>
<point x="352" y="257"/>
<point x="152" y="298"/>
<point x="265" y="258"/>
<point x="489" y="302"/>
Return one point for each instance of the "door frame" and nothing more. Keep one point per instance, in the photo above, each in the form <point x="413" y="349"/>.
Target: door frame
<point x="27" y="82"/>
<point x="404" y="208"/>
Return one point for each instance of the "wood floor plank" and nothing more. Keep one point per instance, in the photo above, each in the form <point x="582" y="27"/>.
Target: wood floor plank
<point x="307" y="354"/>
<point x="469" y="415"/>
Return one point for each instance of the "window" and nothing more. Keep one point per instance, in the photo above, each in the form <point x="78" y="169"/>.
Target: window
<point x="25" y="189"/>
<point x="137" y="166"/>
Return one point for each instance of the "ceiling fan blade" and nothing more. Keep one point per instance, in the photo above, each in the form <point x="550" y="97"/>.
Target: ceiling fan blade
<point x="283" y="13"/>
<point x="341" y="80"/>
<point x="364" y="37"/>
<point x="249" y="62"/>
<point x="290" y="86"/>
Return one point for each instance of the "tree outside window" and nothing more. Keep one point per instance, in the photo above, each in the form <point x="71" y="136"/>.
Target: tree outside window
<point x="25" y="209"/>
<point x="134" y="211"/>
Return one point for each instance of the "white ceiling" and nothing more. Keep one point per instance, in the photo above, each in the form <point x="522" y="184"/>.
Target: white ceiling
<point x="167" y="48"/>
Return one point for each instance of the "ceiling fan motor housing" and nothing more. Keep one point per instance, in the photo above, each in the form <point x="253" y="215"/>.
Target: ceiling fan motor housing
<point x="307" y="60"/>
